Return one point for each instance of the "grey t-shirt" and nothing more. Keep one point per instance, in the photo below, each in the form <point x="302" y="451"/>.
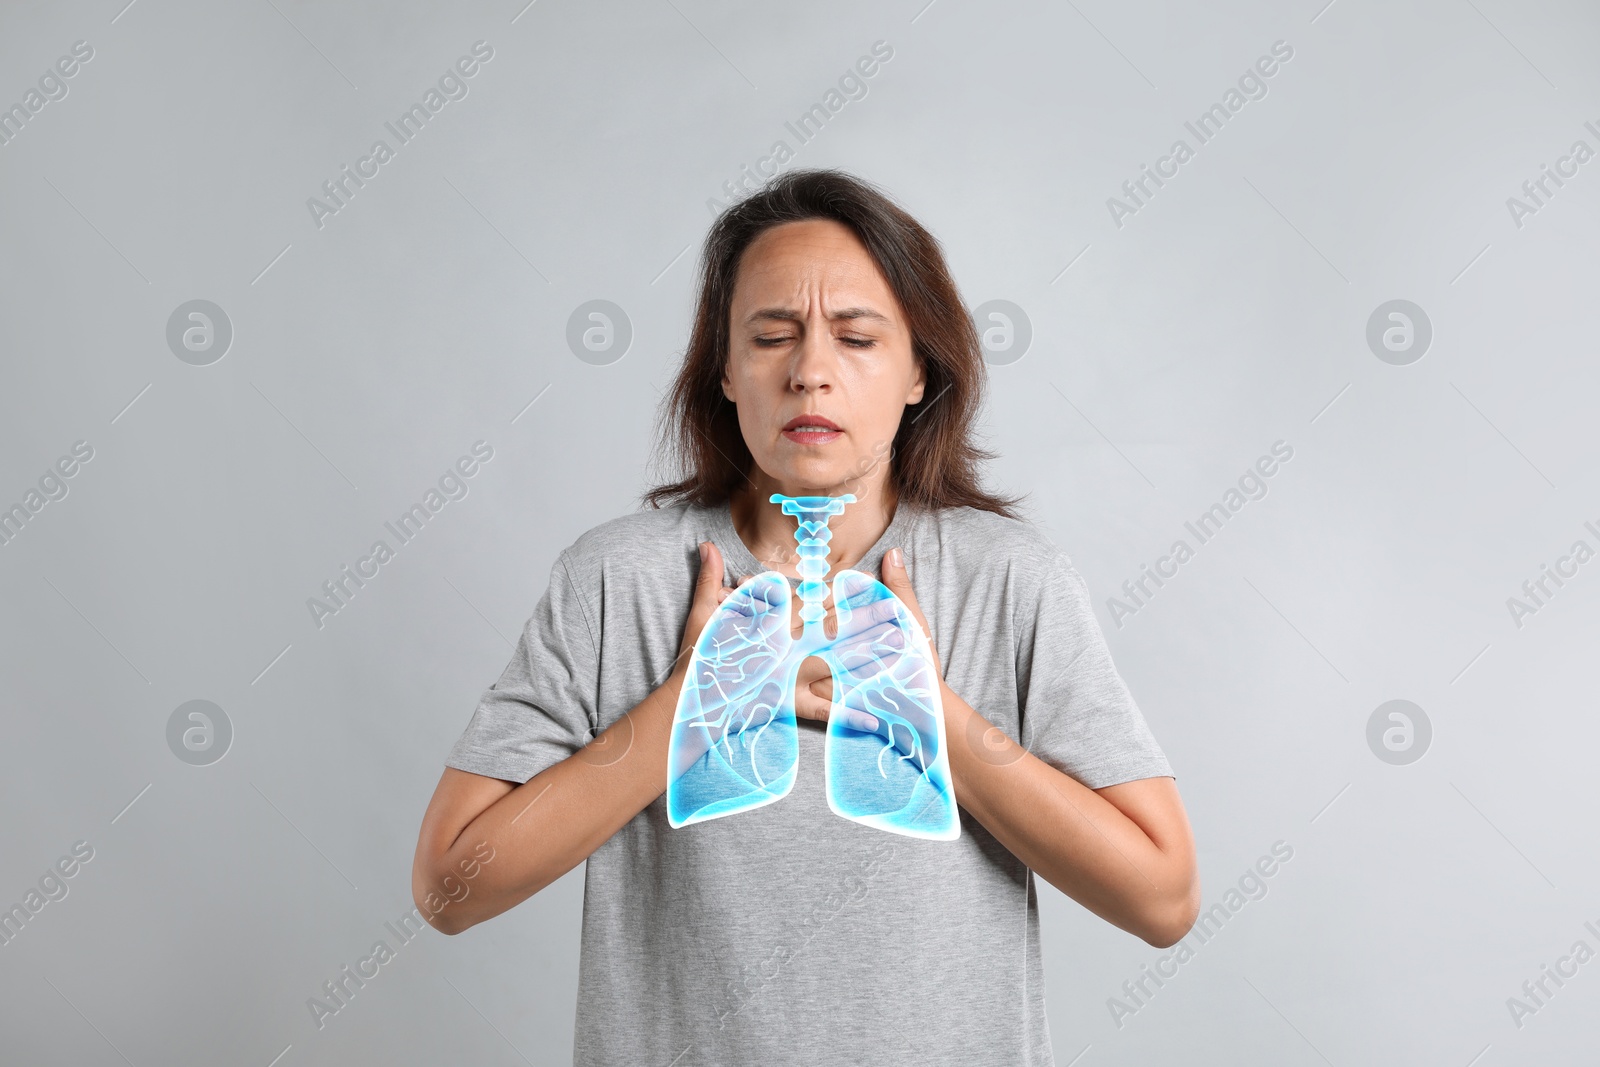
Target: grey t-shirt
<point x="786" y="934"/>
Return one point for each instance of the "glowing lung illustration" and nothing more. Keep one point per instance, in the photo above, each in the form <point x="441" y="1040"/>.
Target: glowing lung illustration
<point x="734" y="743"/>
<point x="898" y="777"/>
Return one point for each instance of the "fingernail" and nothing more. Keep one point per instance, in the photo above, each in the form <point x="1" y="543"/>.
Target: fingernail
<point x="872" y="724"/>
<point x="894" y="558"/>
<point x="702" y="551"/>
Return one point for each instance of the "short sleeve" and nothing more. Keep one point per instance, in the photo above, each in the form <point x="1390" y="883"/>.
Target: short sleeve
<point x="1076" y="712"/>
<point x="543" y="708"/>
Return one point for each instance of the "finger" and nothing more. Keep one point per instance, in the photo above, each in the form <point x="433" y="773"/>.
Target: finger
<point x="807" y="705"/>
<point x="896" y="631"/>
<point x="812" y="670"/>
<point x="709" y="580"/>
<point x="823" y="686"/>
<point x="826" y="710"/>
<point x="810" y="704"/>
<point x="866" y="638"/>
<point x="830" y="620"/>
<point x="863" y="663"/>
<point x="898" y="579"/>
<point x="796" y="624"/>
<point x="703" y="601"/>
<point x="869" y="607"/>
<point x="857" y="720"/>
<point x="760" y="599"/>
<point x="768" y="595"/>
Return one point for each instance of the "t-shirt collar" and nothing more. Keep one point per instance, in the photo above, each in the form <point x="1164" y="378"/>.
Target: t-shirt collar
<point x="740" y="561"/>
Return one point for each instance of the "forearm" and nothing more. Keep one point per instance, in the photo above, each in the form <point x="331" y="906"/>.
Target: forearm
<point x="545" y="827"/>
<point x="1067" y="833"/>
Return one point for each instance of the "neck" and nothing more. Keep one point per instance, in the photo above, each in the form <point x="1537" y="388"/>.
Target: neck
<point x="769" y="533"/>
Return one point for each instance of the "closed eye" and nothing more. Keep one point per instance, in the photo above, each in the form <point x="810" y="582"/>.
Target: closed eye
<point x="853" y="342"/>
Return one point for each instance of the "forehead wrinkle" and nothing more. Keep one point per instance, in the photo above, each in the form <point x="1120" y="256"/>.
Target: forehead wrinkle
<point x="786" y="314"/>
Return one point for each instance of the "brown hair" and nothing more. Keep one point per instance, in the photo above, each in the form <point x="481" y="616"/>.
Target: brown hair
<point x="934" y="462"/>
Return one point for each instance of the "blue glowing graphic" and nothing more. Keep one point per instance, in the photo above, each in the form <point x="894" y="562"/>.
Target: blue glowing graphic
<point x="735" y="742"/>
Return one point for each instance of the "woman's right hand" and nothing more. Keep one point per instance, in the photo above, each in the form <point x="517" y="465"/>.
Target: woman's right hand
<point x="813" y="698"/>
<point x="813" y="686"/>
<point x="708" y="593"/>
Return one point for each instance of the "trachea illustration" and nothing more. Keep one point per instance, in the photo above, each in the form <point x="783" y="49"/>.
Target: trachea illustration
<point x="735" y="742"/>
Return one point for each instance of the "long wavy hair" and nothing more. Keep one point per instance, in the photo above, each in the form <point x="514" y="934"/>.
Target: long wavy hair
<point x="934" y="461"/>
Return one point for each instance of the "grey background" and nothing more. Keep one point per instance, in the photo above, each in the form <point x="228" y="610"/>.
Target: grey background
<point x="1166" y="356"/>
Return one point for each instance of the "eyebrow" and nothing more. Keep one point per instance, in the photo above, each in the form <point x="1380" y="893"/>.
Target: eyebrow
<point x="791" y="315"/>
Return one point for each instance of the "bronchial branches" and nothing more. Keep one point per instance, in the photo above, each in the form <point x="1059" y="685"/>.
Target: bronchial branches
<point x="812" y="535"/>
<point x="735" y="743"/>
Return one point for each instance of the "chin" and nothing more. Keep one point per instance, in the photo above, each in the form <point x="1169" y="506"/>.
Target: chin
<point x="812" y="474"/>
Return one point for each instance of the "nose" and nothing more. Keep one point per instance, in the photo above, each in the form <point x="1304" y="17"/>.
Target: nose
<point x="813" y="367"/>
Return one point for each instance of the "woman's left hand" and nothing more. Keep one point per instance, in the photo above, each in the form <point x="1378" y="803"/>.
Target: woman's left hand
<point x="898" y="579"/>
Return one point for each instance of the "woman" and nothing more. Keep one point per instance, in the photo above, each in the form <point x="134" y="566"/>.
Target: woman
<point x="830" y="354"/>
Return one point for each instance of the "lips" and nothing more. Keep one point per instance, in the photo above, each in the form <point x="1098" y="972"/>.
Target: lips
<point x="811" y="420"/>
<point x="811" y="430"/>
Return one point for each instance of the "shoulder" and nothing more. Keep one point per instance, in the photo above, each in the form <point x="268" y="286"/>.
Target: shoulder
<point x="651" y="540"/>
<point x="1011" y="564"/>
<point x="973" y="538"/>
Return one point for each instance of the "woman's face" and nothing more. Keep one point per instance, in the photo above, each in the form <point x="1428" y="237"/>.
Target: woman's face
<point x="817" y="339"/>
